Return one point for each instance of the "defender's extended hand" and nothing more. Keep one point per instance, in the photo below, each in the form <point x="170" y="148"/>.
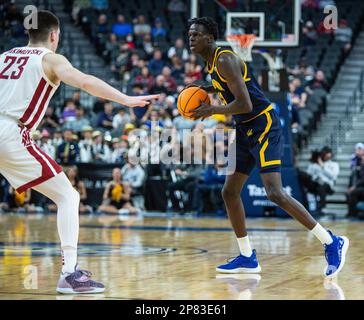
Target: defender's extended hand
<point x="203" y="111"/>
<point x="139" y="101"/>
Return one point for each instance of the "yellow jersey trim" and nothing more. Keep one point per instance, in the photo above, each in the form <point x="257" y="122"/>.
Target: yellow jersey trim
<point x="270" y="107"/>
<point x="267" y="127"/>
<point x="264" y="163"/>
<point x="245" y="72"/>
<point x="210" y="70"/>
<point x="217" y="57"/>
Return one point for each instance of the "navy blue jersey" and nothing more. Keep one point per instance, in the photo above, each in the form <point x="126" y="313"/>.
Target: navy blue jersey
<point x="257" y="97"/>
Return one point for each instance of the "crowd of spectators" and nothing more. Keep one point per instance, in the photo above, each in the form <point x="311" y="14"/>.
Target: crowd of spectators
<point x="142" y="57"/>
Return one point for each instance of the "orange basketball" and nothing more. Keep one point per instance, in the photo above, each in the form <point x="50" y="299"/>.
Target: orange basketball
<point x="189" y="99"/>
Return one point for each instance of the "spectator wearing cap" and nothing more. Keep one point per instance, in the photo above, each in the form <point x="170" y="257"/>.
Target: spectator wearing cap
<point x="127" y="129"/>
<point x="68" y="151"/>
<point x="120" y="119"/>
<point x="158" y="30"/>
<point x="121" y="28"/>
<point x="86" y="145"/>
<point x="357" y="157"/>
<point x="105" y="117"/>
<point x="178" y="50"/>
<point x="100" y="150"/>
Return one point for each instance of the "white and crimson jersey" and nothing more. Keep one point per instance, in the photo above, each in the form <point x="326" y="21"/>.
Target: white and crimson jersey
<point x="25" y="90"/>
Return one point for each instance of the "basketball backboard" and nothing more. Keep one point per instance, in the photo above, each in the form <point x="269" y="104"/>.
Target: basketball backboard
<point x="275" y="23"/>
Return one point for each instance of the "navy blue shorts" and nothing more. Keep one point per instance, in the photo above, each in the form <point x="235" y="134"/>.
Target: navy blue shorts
<point x="259" y="142"/>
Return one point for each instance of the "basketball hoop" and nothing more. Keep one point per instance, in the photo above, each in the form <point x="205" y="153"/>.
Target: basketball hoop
<point x="242" y="45"/>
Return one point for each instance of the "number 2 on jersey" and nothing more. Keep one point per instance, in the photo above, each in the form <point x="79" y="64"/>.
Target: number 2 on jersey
<point x="10" y="61"/>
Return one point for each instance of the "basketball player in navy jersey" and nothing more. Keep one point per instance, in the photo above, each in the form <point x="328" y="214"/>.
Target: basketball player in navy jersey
<point x="258" y="142"/>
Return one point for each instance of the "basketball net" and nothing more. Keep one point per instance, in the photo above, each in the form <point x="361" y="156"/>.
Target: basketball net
<point x="242" y="45"/>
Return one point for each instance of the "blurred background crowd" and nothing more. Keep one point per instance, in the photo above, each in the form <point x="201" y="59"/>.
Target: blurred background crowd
<point x="146" y="56"/>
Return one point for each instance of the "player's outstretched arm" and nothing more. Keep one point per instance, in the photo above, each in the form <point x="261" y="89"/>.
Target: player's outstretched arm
<point x="63" y="70"/>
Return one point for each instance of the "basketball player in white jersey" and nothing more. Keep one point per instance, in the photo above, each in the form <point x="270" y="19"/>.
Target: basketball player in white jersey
<point x="29" y="76"/>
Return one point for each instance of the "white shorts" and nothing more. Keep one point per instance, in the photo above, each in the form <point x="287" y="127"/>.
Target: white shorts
<point x="22" y="163"/>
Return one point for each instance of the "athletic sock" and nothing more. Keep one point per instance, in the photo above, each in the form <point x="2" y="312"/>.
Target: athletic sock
<point x="321" y="234"/>
<point x="244" y="246"/>
<point x="69" y="259"/>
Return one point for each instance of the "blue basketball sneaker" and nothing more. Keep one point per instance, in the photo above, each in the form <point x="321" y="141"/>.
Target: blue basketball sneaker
<point x="241" y="264"/>
<point x="335" y="255"/>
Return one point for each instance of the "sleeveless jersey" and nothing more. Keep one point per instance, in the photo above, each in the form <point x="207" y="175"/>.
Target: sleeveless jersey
<point x="259" y="101"/>
<point x="25" y="90"/>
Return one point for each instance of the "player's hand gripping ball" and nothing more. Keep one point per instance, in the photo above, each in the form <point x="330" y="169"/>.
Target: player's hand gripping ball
<point x="191" y="99"/>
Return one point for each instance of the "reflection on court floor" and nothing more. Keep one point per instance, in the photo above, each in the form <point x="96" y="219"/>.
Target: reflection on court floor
<point x="175" y="258"/>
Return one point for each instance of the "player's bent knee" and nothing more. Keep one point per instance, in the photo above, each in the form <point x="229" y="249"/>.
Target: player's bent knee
<point x="276" y="196"/>
<point x="229" y="193"/>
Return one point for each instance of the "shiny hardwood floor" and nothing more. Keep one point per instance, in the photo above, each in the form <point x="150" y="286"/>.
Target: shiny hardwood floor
<point x="175" y="258"/>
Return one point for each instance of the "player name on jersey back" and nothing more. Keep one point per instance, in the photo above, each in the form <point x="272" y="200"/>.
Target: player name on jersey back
<point x="25" y="51"/>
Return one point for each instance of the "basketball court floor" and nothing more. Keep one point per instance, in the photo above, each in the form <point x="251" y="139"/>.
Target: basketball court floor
<point x="175" y="258"/>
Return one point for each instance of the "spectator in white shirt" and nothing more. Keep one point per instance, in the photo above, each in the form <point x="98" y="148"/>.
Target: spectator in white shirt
<point x="179" y="50"/>
<point x="100" y="150"/>
<point x="331" y="168"/>
<point x="322" y="181"/>
<point x="86" y="145"/>
<point x="141" y="28"/>
<point x="133" y="174"/>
